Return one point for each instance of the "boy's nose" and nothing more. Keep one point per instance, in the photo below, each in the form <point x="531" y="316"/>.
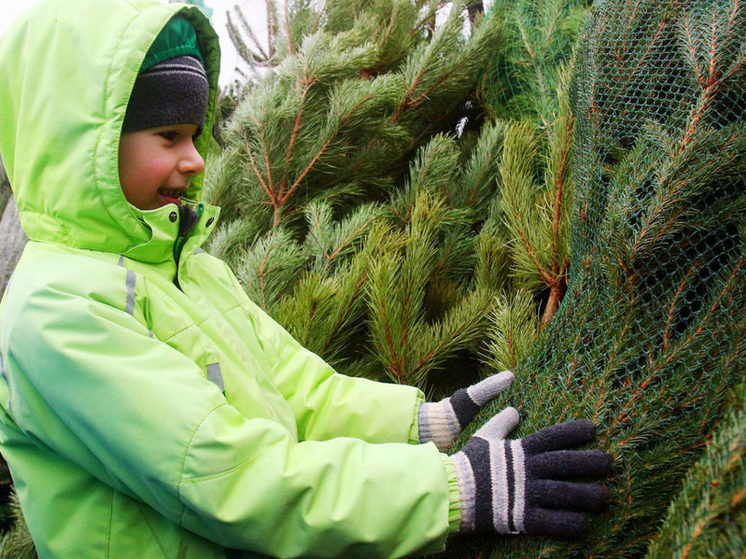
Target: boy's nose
<point x="192" y="162"/>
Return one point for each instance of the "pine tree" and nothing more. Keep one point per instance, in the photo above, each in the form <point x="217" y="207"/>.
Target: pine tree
<point x="16" y="542"/>
<point x="372" y="209"/>
<point x="255" y="53"/>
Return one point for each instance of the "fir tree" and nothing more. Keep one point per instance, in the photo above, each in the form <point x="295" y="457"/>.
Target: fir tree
<point x="648" y="342"/>
<point x="255" y="53"/>
<point x="16" y="542"/>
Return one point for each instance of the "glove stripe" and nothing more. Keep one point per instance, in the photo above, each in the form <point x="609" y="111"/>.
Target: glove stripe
<point x="438" y="423"/>
<point x="464" y="407"/>
<point x="486" y="390"/>
<point x="478" y="453"/>
<point x="510" y="474"/>
<point x="501" y="472"/>
<point x="467" y="489"/>
<point x="519" y="491"/>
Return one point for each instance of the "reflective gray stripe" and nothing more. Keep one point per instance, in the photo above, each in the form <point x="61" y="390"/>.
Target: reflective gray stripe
<point x="199" y="251"/>
<point x="215" y="376"/>
<point x="130" y="308"/>
<point x="131" y="278"/>
<point x="150" y="334"/>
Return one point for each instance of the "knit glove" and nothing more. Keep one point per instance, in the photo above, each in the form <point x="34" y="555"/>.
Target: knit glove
<point x="519" y="486"/>
<point x="441" y="422"/>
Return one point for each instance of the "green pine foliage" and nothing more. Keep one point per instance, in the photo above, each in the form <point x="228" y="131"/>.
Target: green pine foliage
<point x="708" y="517"/>
<point x="15" y="542"/>
<point x="649" y="340"/>
<point x="374" y="211"/>
<point x="540" y="36"/>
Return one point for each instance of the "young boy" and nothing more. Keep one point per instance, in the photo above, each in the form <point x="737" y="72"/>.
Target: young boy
<point x="149" y="409"/>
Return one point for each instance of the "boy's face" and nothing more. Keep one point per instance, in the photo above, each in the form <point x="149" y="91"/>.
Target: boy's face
<point x="156" y="164"/>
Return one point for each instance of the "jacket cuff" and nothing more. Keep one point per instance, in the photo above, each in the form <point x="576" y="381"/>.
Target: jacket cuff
<point x="414" y="429"/>
<point x="454" y="496"/>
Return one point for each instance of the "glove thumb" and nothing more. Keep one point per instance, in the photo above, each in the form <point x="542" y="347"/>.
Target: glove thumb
<point x="500" y="426"/>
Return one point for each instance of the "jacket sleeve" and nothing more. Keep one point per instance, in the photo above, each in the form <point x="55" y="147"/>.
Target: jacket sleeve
<point x="327" y="404"/>
<point x="88" y="382"/>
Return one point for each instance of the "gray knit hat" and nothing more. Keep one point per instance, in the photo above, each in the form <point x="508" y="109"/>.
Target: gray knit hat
<point x="172" y="86"/>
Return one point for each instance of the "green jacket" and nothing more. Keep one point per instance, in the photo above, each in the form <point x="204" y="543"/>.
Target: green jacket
<point x="143" y="420"/>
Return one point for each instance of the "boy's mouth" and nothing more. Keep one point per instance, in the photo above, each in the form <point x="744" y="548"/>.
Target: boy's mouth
<point x="170" y="195"/>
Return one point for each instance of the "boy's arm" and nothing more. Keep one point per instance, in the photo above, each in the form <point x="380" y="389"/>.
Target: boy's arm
<point x="328" y="405"/>
<point x="87" y="382"/>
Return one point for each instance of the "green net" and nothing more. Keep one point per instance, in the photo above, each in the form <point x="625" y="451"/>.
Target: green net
<point x="649" y="339"/>
<point x="538" y="41"/>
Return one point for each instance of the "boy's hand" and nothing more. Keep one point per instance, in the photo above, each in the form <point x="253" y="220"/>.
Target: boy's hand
<point x="441" y="422"/>
<point x="521" y="486"/>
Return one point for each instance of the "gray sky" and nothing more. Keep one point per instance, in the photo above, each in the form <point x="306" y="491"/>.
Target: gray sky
<point x="253" y="9"/>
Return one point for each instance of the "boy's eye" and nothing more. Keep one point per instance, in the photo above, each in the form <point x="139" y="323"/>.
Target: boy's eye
<point x="169" y="135"/>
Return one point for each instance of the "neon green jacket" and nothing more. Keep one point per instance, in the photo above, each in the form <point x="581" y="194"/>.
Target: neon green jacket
<point x="142" y="420"/>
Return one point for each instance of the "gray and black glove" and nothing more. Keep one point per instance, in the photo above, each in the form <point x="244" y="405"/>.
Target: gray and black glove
<point x="441" y="422"/>
<point x="521" y="486"/>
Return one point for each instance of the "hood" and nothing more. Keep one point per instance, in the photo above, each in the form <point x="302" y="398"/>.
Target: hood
<point x="68" y="68"/>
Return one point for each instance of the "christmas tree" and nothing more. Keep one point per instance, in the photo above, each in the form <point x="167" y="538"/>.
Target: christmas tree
<point x="370" y="206"/>
<point x="648" y="342"/>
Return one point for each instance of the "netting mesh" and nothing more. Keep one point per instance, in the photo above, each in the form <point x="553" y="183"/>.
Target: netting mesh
<point x="537" y="47"/>
<point x="649" y="339"/>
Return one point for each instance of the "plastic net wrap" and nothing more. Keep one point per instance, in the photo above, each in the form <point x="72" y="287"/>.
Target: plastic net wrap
<point x="649" y="340"/>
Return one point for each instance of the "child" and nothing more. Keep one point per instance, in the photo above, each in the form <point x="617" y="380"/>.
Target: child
<point x="149" y="409"/>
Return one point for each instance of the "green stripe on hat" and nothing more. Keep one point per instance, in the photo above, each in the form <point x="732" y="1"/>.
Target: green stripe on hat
<point x="177" y="38"/>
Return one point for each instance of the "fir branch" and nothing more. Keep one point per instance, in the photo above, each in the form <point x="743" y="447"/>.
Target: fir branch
<point x="460" y="328"/>
<point x="732" y="278"/>
<point x="269" y="268"/>
<point x="711" y="501"/>
<point x="250" y="32"/>
<point x="674" y="302"/>
<point x="517" y="170"/>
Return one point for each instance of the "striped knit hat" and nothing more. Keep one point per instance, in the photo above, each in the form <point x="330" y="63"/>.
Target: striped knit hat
<point x="172" y="86"/>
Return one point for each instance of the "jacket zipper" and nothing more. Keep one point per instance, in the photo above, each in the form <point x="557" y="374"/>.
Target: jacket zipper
<point x="188" y="220"/>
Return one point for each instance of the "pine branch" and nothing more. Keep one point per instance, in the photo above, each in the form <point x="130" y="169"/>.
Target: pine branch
<point x="513" y="331"/>
<point x="287" y="30"/>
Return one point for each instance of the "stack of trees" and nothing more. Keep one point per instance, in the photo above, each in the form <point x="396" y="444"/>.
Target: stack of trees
<point x="448" y="280"/>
